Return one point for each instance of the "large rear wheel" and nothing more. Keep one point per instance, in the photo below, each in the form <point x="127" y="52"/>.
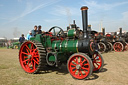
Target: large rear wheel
<point x="80" y="66"/>
<point x="32" y="57"/>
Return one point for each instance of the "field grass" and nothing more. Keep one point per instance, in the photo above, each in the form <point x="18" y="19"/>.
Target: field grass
<point x="115" y="72"/>
<point x="3" y="47"/>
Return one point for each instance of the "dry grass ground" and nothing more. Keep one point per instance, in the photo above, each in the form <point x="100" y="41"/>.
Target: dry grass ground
<point x="115" y="72"/>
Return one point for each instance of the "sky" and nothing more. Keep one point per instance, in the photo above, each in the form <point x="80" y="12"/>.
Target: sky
<point x="20" y="16"/>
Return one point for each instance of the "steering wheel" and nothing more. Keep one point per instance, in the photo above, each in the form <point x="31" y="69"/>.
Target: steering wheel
<point x="57" y="31"/>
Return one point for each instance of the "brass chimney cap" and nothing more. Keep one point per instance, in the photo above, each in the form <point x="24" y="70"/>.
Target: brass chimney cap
<point x="84" y="8"/>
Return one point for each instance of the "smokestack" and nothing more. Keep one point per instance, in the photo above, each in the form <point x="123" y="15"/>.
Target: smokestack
<point x="84" y="20"/>
<point x="73" y="25"/>
<point x="120" y="32"/>
<point x="74" y="22"/>
<point x="103" y="31"/>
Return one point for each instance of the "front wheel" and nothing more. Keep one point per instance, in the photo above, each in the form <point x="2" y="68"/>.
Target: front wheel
<point x="102" y="47"/>
<point x="80" y="66"/>
<point x="126" y="46"/>
<point x="118" y="46"/>
<point x="110" y="47"/>
<point x="98" y="62"/>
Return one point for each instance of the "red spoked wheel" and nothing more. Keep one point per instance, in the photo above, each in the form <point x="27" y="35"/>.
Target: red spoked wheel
<point x="32" y="57"/>
<point x="118" y="46"/>
<point x="98" y="61"/>
<point x="80" y="66"/>
<point x="102" y="47"/>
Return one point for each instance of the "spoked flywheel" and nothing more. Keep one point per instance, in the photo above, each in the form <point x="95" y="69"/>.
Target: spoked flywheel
<point x="32" y="57"/>
<point x="102" y="47"/>
<point x="118" y="46"/>
<point x="80" y="66"/>
<point x="98" y="61"/>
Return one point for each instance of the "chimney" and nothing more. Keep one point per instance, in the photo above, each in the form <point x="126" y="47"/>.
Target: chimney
<point x="84" y="10"/>
<point x="120" y="32"/>
<point x="103" y="31"/>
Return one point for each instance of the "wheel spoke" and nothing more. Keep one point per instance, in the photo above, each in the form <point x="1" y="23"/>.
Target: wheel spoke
<point x="27" y="66"/>
<point x="78" y="73"/>
<point x="73" y="68"/>
<point x="76" y="60"/>
<point x="35" y="61"/>
<point x="32" y="65"/>
<point x="28" y="51"/>
<point x="27" y="47"/>
<point x="85" y="71"/>
<point x="74" y="71"/>
<point x="98" y="61"/>
<point x="32" y="46"/>
<point x="81" y="72"/>
<point x="86" y="64"/>
<point x="97" y="64"/>
<point x="37" y="58"/>
<point x="73" y="64"/>
<point x="26" y="60"/>
<point x="94" y="56"/>
<point x="24" y="53"/>
<point x="83" y="61"/>
<point x="35" y="50"/>
<point x="25" y="57"/>
<point x="84" y="68"/>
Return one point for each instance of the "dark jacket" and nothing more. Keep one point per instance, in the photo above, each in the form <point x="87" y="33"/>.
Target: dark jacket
<point x="39" y="31"/>
<point x="21" y="39"/>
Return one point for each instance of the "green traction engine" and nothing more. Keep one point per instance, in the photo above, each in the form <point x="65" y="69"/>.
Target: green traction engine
<point x="55" y="47"/>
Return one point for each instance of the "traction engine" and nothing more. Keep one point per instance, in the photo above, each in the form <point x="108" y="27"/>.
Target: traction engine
<point x="52" y="48"/>
<point x="104" y="44"/>
<point x="120" y="43"/>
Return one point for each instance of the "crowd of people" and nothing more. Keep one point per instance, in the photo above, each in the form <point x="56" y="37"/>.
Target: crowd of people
<point x="32" y="33"/>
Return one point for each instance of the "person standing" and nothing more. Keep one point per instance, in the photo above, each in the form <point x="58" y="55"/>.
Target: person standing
<point x="29" y="35"/>
<point x="7" y="45"/>
<point x="39" y="30"/>
<point x="34" y="31"/>
<point x="21" y="39"/>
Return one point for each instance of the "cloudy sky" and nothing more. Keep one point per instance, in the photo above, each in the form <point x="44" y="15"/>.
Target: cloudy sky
<point x="20" y="16"/>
